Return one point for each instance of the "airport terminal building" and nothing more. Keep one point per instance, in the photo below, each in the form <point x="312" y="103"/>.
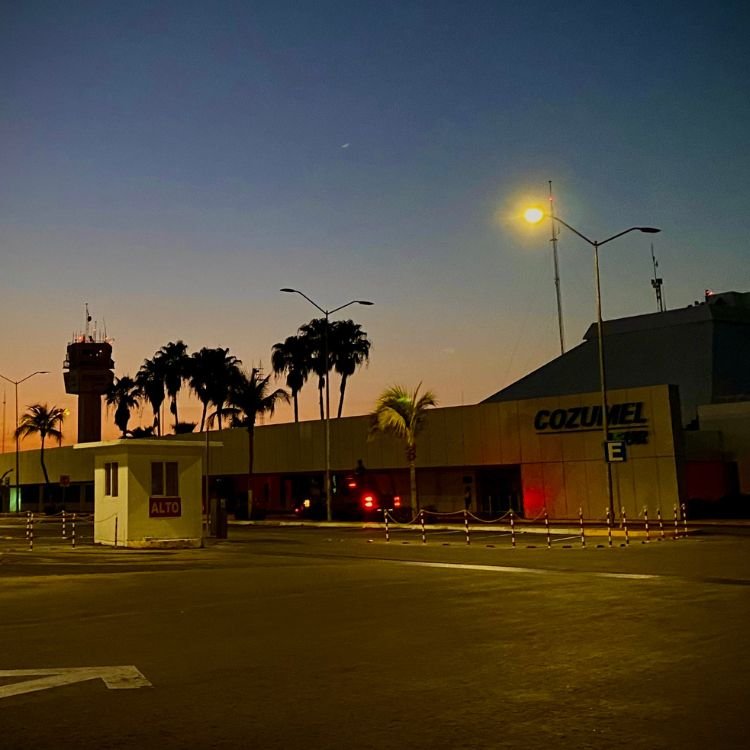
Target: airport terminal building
<point x="678" y="401"/>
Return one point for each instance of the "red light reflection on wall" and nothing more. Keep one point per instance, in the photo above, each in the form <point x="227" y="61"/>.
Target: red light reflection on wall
<point x="533" y="501"/>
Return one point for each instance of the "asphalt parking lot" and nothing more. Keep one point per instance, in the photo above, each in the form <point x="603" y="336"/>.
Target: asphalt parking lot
<point x="333" y="638"/>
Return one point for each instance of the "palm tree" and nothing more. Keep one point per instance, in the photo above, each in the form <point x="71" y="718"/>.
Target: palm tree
<point x="150" y="380"/>
<point x="251" y="397"/>
<point x="44" y="421"/>
<point x="172" y="359"/>
<point x="210" y="375"/>
<point x="314" y="337"/>
<point x="350" y="348"/>
<point x="291" y="357"/>
<point x="124" y="394"/>
<point x="402" y="414"/>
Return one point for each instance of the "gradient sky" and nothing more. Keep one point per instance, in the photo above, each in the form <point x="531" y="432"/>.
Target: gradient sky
<point x="174" y="164"/>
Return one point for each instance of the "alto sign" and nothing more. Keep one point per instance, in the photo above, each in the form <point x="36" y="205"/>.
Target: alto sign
<point x="627" y="415"/>
<point x="165" y="507"/>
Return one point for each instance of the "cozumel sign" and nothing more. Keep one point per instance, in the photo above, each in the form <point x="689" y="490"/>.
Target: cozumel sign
<point x="627" y="415"/>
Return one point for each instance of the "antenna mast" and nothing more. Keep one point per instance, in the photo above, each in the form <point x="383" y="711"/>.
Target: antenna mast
<point x="553" y="240"/>
<point x="657" y="284"/>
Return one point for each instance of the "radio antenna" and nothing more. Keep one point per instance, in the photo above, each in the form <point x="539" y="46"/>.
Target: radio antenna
<point x="657" y="284"/>
<point x="553" y="240"/>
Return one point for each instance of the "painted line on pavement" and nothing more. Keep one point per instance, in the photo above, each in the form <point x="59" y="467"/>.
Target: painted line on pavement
<point x="513" y="569"/>
<point x="115" y="678"/>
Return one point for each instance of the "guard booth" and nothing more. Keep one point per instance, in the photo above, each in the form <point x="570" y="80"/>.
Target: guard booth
<point x="148" y="493"/>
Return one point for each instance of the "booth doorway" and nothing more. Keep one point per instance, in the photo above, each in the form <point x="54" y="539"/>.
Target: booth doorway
<point x="499" y="490"/>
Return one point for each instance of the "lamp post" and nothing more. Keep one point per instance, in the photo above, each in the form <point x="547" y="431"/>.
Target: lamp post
<point x="16" y="383"/>
<point x="327" y="420"/>
<point x="535" y="215"/>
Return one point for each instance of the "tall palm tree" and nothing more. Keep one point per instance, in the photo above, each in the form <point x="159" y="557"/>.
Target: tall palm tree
<point x="290" y="357"/>
<point x="150" y="380"/>
<point x="44" y="421"/>
<point x="124" y="394"/>
<point x="211" y="372"/>
<point x="251" y="397"/>
<point x="350" y="349"/>
<point x="173" y="359"/>
<point x="219" y="372"/>
<point x="314" y="337"/>
<point x="402" y="414"/>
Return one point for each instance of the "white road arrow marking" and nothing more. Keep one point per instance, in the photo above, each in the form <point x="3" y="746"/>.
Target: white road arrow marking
<point x="115" y="678"/>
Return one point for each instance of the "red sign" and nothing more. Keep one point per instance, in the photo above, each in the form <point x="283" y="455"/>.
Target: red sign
<point x="65" y="480"/>
<point x="165" y="507"/>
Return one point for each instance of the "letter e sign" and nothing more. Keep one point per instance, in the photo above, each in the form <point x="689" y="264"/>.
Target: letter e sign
<point x="615" y="451"/>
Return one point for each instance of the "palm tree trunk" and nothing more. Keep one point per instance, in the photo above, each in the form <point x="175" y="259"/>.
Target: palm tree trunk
<point x="176" y="418"/>
<point x="46" y="475"/>
<point x="203" y="417"/>
<point x="296" y="405"/>
<point x="342" y="388"/>
<point x="413" y="486"/>
<point x="321" y="386"/>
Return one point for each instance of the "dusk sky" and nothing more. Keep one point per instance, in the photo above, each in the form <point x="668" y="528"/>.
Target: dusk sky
<point x="174" y="164"/>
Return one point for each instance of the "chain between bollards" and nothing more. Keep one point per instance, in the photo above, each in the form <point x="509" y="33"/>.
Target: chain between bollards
<point x="421" y="521"/>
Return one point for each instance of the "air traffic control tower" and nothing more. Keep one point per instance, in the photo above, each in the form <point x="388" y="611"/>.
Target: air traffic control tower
<point x="88" y="374"/>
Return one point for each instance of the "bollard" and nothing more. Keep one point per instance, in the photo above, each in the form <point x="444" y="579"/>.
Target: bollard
<point x="625" y="526"/>
<point x="676" y="527"/>
<point x="512" y="530"/>
<point x="466" y="526"/>
<point x="645" y="521"/>
<point x="73" y="531"/>
<point x="31" y="532"/>
<point x="546" y="524"/>
<point x="387" y="530"/>
<point x="28" y="524"/>
<point x="684" y="520"/>
<point x="609" y="528"/>
<point x="661" y="525"/>
<point x="421" y="520"/>
<point x="583" y="533"/>
<point x="64" y="531"/>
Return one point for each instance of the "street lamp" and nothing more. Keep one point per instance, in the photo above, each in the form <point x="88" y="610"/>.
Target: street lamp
<point x="327" y="314"/>
<point x="534" y="216"/>
<point x="16" y="383"/>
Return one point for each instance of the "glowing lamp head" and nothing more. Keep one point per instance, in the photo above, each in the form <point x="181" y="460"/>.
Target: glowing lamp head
<point x="533" y="215"/>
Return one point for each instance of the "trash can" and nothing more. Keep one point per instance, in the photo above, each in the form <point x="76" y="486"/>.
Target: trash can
<point x="217" y="527"/>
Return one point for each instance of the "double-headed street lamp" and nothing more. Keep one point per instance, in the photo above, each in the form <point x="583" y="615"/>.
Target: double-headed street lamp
<point x="327" y="314"/>
<point x="534" y="216"/>
<point x="16" y="383"/>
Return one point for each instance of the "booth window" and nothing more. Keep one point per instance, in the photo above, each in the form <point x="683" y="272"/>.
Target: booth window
<point x="164" y="479"/>
<point x="110" y="479"/>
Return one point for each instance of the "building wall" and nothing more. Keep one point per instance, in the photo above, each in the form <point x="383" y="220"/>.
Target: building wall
<point x="730" y="422"/>
<point x="561" y="470"/>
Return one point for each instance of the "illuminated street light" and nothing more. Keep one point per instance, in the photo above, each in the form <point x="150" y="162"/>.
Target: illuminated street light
<point x="327" y="314"/>
<point x="534" y="216"/>
<point x="16" y="383"/>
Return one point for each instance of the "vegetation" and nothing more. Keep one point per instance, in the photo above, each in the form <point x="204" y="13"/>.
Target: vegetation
<point x="290" y="358"/>
<point x="45" y="422"/>
<point x="124" y="394"/>
<point x="403" y="414"/>
<point x="172" y="364"/>
<point x="151" y="385"/>
<point x="350" y="349"/>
